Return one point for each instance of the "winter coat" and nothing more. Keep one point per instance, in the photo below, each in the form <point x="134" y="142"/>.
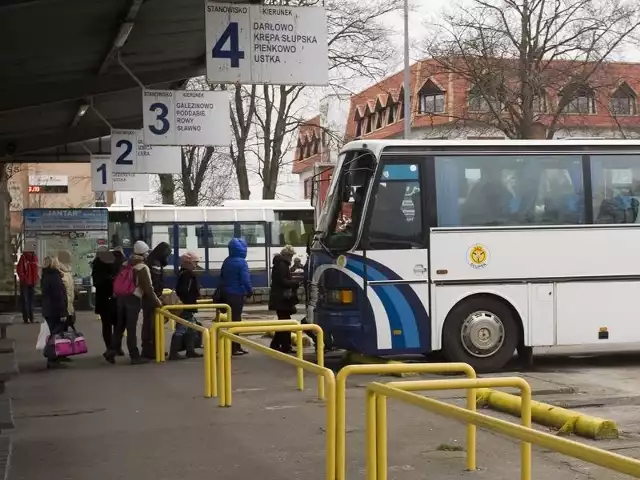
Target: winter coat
<point x="118" y="260"/>
<point x="70" y="287"/>
<point x="235" y="278"/>
<point x="282" y="295"/>
<point x="156" y="261"/>
<point x="103" y="274"/>
<point x="142" y="277"/>
<point x="187" y="287"/>
<point x="27" y="269"/>
<point x="54" y="295"/>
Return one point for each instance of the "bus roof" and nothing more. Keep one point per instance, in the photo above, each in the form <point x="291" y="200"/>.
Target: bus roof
<point x="376" y="146"/>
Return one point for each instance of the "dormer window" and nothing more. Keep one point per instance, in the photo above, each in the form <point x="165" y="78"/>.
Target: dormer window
<point x="623" y="101"/>
<point x="480" y="102"/>
<point x="431" y="98"/>
<point x="583" y="101"/>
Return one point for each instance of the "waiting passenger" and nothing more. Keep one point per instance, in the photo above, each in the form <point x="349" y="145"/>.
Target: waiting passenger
<point x="54" y="304"/>
<point x="283" y="296"/>
<point x="130" y="286"/>
<point x="156" y="261"/>
<point x="103" y="272"/>
<point x="188" y="291"/>
<point x="64" y="257"/>
<point x="235" y="284"/>
<point x="27" y="270"/>
<point x="119" y="258"/>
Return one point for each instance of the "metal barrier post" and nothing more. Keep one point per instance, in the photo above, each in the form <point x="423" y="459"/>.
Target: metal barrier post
<point x="341" y="401"/>
<point x="206" y="340"/>
<point x="213" y="331"/>
<point x="593" y="455"/>
<point x="382" y="436"/>
<point x="452" y="384"/>
<point x="158" y="337"/>
<point x="371" y="447"/>
<point x="224" y="351"/>
<point x="327" y="380"/>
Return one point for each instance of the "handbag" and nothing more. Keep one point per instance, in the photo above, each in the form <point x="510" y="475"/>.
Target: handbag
<point x="65" y="344"/>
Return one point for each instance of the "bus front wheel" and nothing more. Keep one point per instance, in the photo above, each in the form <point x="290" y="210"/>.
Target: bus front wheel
<point x="482" y="332"/>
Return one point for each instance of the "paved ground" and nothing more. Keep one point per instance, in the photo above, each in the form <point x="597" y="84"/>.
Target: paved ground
<point x="151" y="422"/>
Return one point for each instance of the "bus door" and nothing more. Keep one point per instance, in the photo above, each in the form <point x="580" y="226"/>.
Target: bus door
<point x="395" y="259"/>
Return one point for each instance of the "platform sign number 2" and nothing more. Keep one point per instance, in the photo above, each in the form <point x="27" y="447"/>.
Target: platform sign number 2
<point x="232" y="52"/>
<point x="124" y="151"/>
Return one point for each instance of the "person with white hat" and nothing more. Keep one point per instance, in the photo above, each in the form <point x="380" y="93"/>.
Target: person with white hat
<point x="132" y="283"/>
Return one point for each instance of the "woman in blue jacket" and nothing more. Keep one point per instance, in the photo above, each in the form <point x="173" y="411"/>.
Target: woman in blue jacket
<point x="235" y="283"/>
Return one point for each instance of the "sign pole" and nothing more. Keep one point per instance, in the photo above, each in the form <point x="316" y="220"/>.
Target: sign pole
<point x="407" y="75"/>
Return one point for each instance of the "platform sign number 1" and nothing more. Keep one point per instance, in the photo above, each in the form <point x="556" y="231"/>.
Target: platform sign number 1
<point x="101" y="175"/>
<point x="232" y="52"/>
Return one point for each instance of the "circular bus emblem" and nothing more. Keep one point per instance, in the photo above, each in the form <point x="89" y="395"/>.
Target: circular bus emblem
<point x="341" y="261"/>
<point x="478" y="256"/>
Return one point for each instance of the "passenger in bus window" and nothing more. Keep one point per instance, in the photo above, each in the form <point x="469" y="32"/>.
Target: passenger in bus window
<point x="235" y="283"/>
<point x="283" y="296"/>
<point x="488" y="201"/>
<point x="156" y="261"/>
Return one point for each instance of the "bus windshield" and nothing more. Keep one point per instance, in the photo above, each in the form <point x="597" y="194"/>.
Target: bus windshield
<point x="343" y="208"/>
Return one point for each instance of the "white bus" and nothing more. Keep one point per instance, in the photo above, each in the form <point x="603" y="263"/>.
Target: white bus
<point x="266" y="225"/>
<point x="479" y="248"/>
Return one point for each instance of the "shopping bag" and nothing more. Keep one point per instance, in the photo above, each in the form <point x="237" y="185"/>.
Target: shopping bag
<point x="43" y="336"/>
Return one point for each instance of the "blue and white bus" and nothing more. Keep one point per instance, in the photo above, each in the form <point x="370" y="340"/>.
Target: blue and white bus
<point x="266" y="225"/>
<point x="479" y="249"/>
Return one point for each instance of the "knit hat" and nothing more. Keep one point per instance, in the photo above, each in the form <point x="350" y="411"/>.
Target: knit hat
<point x="140" y="248"/>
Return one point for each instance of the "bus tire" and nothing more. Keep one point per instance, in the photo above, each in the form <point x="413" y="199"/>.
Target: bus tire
<point x="481" y="331"/>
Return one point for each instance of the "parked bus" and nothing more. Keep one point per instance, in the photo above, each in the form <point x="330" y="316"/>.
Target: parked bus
<point x="266" y="225"/>
<point x="479" y="249"/>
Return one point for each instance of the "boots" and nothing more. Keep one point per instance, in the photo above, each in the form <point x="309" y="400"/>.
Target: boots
<point x="175" y="347"/>
<point x="190" y="343"/>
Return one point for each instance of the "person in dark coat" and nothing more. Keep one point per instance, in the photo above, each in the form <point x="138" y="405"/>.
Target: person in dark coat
<point x="156" y="261"/>
<point x="235" y="283"/>
<point x="103" y="271"/>
<point x="188" y="291"/>
<point x="119" y="258"/>
<point x="282" y="296"/>
<point x="54" y="303"/>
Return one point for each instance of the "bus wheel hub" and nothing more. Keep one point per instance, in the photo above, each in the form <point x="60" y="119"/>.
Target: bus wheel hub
<point x="482" y="334"/>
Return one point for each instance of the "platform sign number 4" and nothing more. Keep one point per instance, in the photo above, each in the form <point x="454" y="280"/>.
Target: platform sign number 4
<point x="228" y="45"/>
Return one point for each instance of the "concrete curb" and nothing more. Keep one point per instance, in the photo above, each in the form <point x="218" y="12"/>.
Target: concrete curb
<point x="358" y="358"/>
<point x="566" y="421"/>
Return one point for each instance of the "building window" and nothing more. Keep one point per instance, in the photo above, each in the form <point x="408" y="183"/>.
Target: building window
<point x="307" y="188"/>
<point x="359" y="127"/>
<point x="540" y="103"/>
<point x="378" y="120"/>
<point x="400" y="110"/>
<point x="390" y="116"/>
<point x="582" y="102"/>
<point x="623" y="101"/>
<point x="479" y="102"/>
<point x="431" y="98"/>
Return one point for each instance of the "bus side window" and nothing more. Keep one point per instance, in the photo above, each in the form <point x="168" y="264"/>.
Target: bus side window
<point x="395" y="219"/>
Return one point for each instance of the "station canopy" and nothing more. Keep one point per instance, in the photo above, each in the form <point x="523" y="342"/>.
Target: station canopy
<point x="60" y="56"/>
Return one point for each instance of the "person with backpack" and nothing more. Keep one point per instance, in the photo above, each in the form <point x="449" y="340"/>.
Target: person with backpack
<point x="130" y="287"/>
<point x="188" y="290"/>
<point x="28" y="276"/>
<point x="156" y="261"/>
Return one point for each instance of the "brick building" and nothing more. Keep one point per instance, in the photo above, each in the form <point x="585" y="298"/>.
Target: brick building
<point x="446" y="105"/>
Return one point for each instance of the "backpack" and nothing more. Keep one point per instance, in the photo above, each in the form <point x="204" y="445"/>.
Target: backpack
<point x="125" y="283"/>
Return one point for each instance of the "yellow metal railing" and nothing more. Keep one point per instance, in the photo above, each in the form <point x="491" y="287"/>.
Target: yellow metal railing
<point x="224" y="355"/>
<point x="206" y="340"/>
<point x="213" y="332"/>
<point x="202" y="304"/>
<point x="326" y="378"/>
<point x="381" y="369"/>
<point x="159" y="330"/>
<point x="377" y="442"/>
<point x="470" y="385"/>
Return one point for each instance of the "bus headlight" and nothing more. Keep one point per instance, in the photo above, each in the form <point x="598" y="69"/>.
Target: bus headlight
<point x="342" y="297"/>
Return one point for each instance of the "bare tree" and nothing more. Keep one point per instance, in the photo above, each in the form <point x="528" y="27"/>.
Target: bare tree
<point x="264" y="118"/>
<point x="517" y="55"/>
